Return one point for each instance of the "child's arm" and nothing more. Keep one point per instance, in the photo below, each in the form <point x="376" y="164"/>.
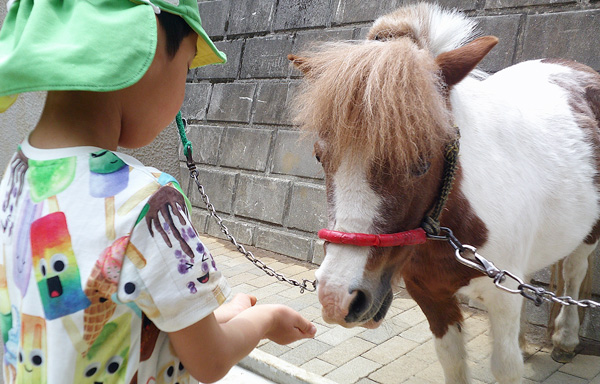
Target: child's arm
<point x="232" y="308"/>
<point x="208" y="349"/>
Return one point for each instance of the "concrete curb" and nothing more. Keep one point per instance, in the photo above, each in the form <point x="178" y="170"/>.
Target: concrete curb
<point x="280" y="371"/>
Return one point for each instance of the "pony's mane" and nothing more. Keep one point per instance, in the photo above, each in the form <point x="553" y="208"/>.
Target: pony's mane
<point x="432" y="28"/>
<point x="375" y="101"/>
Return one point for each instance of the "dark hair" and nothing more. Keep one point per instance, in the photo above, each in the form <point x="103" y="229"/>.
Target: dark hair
<point x="176" y="29"/>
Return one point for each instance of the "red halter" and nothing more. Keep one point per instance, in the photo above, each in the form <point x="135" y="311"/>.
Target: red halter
<point x="412" y="237"/>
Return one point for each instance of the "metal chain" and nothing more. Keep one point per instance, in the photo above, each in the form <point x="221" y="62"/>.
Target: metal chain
<point x="537" y="294"/>
<point x="305" y="285"/>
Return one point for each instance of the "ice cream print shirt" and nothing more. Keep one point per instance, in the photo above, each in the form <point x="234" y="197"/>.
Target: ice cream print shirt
<point x="99" y="259"/>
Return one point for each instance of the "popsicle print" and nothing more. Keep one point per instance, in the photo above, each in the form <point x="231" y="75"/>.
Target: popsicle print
<point x="17" y="169"/>
<point x="31" y="365"/>
<point x="22" y="245"/>
<point x="11" y="349"/>
<point x="109" y="175"/>
<point x="5" y="312"/>
<point x="47" y="178"/>
<point x="106" y="361"/>
<point x="55" y="266"/>
<point x="171" y="370"/>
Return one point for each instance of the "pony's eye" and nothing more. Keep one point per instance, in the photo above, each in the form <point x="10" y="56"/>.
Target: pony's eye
<point x="421" y="168"/>
<point x="318" y="158"/>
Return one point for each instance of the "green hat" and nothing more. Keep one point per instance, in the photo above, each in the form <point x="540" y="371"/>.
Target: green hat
<point x="100" y="45"/>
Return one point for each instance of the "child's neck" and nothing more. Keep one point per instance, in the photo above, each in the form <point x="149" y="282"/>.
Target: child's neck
<point x="73" y="119"/>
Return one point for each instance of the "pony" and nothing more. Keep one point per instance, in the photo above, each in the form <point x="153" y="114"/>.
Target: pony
<point x="526" y="185"/>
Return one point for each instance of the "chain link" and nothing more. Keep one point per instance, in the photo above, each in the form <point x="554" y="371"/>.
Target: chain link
<point x="305" y="285"/>
<point x="536" y="294"/>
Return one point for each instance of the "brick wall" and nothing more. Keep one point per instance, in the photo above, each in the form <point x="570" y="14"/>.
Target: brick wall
<point x="260" y="175"/>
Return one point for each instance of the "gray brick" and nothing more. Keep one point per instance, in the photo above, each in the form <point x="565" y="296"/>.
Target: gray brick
<point x="266" y="57"/>
<point x="205" y="141"/>
<point x="354" y="11"/>
<point x="242" y="232"/>
<point x="505" y="28"/>
<point x="251" y="16"/>
<point x="214" y="16"/>
<point x="308" y="207"/>
<point x="591" y="323"/>
<point x="491" y="4"/>
<point x="184" y="178"/>
<point x="293" y="155"/>
<point x="568" y="35"/>
<point x="318" y="252"/>
<point x="218" y="185"/>
<point x="305" y="39"/>
<point x="261" y="198"/>
<point x="229" y="70"/>
<point x="462" y="5"/>
<point x="195" y="101"/>
<point x="283" y="242"/>
<point x="271" y="104"/>
<point x="301" y="14"/>
<point x="231" y="102"/>
<point x="199" y="219"/>
<point x="246" y="148"/>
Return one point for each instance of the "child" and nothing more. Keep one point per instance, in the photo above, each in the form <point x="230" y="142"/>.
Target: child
<point x="102" y="275"/>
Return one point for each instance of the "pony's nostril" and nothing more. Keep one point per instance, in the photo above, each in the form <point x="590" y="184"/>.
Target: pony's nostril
<point x="358" y="306"/>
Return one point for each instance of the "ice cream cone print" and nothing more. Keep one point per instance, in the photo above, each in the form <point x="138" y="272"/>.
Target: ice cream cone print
<point x="101" y="284"/>
<point x="109" y="175"/>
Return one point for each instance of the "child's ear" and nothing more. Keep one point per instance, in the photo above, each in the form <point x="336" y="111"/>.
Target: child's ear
<point x="300" y="62"/>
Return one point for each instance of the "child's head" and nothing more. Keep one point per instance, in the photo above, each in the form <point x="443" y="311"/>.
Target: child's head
<point x="104" y="46"/>
<point x="149" y="105"/>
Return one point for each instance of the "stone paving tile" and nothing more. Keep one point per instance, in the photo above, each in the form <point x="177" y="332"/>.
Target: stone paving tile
<point x="336" y="335"/>
<point x="433" y="373"/>
<point x="563" y="378"/>
<point x="479" y="348"/>
<point x="318" y="366"/>
<point x="412" y="316"/>
<point x="347" y="350"/>
<point x="390" y="350"/>
<point x="584" y="366"/>
<point x="420" y="333"/>
<point x="304" y="352"/>
<point x="386" y="331"/>
<point x="424" y="352"/>
<point x="398" y="370"/>
<point x="401" y="350"/>
<point x="353" y="370"/>
<point x="274" y="349"/>
<point x="540" y="366"/>
<point x="366" y="381"/>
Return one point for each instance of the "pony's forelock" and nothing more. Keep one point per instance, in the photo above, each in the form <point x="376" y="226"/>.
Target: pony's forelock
<point x="374" y="101"/>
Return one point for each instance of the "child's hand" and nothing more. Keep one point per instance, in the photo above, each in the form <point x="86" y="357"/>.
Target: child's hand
<point x="288" y="325"/>
<point x="238" y="304"/>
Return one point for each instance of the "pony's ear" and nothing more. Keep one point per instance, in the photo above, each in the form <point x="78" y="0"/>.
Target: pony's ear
<point x="457" y="64"/>
<point x="299" y="62"/>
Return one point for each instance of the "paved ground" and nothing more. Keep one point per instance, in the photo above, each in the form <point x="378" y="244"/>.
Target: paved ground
<point x="400" y="351"/>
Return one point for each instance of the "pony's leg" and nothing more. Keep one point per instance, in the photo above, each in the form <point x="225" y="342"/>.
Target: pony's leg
<point x="504" y="310"/>
<point x="452" y="355"/>
<point x="444" y="317"/>
<point x="566" y="333"/>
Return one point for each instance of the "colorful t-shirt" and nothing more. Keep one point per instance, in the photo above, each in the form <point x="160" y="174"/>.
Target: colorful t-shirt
<point x="99" y="259"/>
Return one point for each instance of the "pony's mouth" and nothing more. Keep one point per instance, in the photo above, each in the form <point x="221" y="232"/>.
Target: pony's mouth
<point x="373" y="317"/>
